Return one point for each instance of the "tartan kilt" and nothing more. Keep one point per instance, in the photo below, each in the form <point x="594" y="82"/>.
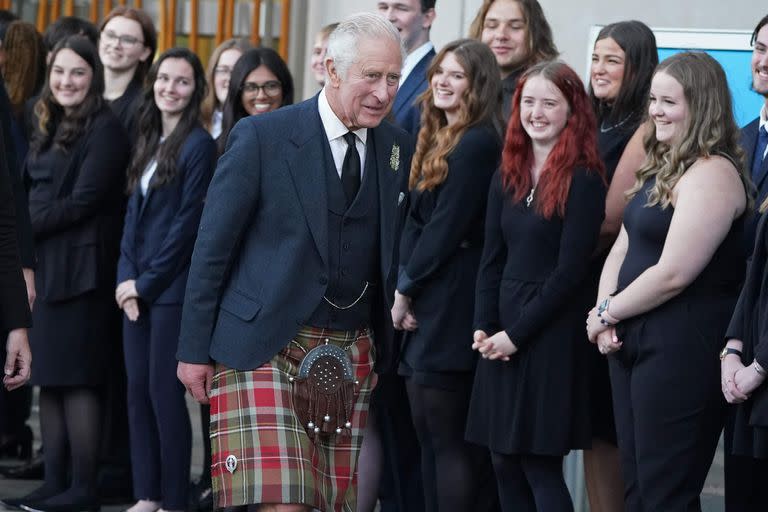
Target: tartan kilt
<point x="253" y="420"/>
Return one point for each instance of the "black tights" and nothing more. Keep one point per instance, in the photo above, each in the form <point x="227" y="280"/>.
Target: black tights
<point x="453" y="470"/>
<point x="70" y="423"/>
<point x="531" y="483"/>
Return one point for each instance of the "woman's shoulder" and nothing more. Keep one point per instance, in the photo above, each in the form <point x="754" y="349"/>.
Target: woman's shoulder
<point x="715" y="170"/>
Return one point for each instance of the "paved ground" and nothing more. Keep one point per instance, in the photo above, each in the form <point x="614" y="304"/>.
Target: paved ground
<point x="712" y="499"/>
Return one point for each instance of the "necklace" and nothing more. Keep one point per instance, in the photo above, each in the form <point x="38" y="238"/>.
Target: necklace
<point x="529" y="199"/>
<point x="603" y="129"/>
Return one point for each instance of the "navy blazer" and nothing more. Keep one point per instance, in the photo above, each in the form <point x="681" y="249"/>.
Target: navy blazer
<point x="260" y="264"/>
<point x="160" y="228"/>
<point x="748" y="143"/>
<point x="406" y="112"/>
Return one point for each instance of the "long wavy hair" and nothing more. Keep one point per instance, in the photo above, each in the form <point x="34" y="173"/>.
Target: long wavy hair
<point x="481" y="102"/>
<point x="541" y="44"/>
<point x="147" y="30"/>
<point x="710" y="128"/>
<point x="233" y="110"/>
<point x="640" y="60"/>
<point x="53" y="126"/>
<point x="24" y="69"/>
<point x="576" y="145"/>
<point x="150" y="124"/>
<point x="211" y="102"/>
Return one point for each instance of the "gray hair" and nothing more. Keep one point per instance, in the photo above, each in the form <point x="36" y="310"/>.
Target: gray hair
<point x="343" y="42"/>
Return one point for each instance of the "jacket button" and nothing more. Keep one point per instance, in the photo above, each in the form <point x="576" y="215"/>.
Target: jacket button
<point x="323" y="280"/>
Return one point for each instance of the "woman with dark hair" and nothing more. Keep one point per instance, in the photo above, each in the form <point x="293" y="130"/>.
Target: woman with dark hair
<point x="519" y="35"/>
<point x="623" y="60"/>
<point x="260" y="83"/>
<point x="218" y="75"/>
<point x="530" y="398"/>
<point x="168" y="177"/>
<point x="75" y="174"/>
<point x="127" y="44"/>
<point x="670" y="283"/>
<point x="457" y="152"/>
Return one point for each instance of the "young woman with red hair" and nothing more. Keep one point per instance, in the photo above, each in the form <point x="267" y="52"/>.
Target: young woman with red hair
<point x="529" y="402"/>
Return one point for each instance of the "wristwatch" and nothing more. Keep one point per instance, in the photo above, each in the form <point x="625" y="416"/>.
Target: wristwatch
<point x="603" y="308"/>
<point x="728" y="350"/>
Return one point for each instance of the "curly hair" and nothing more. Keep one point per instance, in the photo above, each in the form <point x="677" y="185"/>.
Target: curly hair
<point x="24" y="70"/>
<point x="576" y="145"/>
<point x="53" y="126"/>
<point x="709" y="129"/>
<point x="541" y="45"/>
<point x="150" y="125"/>
<point x="481" y="102"/>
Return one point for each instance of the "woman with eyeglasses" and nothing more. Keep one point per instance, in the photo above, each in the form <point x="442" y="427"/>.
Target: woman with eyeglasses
<point x="217" y="76"/>
<point x="127" y="43"/>
<point x="260" y="83"/>
<point x="168" y="177"/>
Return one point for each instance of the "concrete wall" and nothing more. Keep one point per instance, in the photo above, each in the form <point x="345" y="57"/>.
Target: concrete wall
<point x="570" y="20"/>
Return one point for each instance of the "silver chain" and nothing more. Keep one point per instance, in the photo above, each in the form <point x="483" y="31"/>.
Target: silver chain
<point x="358" y="299"/>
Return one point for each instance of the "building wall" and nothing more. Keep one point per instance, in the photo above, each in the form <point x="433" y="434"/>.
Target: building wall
<point x="570" y="20"/>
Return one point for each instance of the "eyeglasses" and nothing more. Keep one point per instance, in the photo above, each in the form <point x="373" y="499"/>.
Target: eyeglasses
<point x="271" y="88"/>
<point x="126" y="41"/>
<point x="222" y="70"/>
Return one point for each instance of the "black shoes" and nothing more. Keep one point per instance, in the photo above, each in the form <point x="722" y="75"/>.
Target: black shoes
<point x="17" y="446"/>
<point x="42" y="506"/>
<point x="201" y="496"/>
<point x="30" y="470"/>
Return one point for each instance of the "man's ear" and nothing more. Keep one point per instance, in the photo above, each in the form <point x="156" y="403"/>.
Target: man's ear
<point x="333" y="73"/>
<point x="428" y="18"/>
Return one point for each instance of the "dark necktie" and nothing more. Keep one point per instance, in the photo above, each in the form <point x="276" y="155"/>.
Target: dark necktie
<point x="758" y="171"/>
<point x="350" y="169"/>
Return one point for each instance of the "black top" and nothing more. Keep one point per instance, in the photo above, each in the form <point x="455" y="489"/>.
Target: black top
<point x="440" y="253"/>
<point x="508" y="86"/>
<point x="530" y="278"/>
<point x="126" y="106"/>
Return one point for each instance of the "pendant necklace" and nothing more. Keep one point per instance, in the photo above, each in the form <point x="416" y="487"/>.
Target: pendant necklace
<point x="529" y="199"/>
<point x="606" y="130"/>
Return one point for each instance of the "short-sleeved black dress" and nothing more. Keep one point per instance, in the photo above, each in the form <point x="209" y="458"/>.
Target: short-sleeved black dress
<point x="530" y="284"/>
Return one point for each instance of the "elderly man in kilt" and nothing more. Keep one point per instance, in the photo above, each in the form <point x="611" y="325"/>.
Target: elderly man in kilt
<point x="287" y="304"/>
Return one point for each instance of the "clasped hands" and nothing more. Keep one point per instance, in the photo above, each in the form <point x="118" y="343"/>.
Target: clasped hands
<point x="604" y="336"/>
<point x="403" y="318"/>
<point x="128" y="299"/>
<point x="738" y="381"/>
<point x="499" y="346"/>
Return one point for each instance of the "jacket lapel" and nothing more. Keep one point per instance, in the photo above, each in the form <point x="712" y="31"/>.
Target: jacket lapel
<point x="413" y="84"/>
<point x="306" y="165"/>
<point x="390" y="168"/>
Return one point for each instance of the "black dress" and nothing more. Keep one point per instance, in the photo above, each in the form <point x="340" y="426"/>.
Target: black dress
<point x="611" y="143"/>
<point x="75" y="201"/>
<point x="665" y="379"/>
<point x="749" y="324"/>
<point x="439" y="255"/>
<point x="530" y="278"/>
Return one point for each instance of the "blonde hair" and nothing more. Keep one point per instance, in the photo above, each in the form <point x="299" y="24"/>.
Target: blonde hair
<point x="709" y="129"/>
<point x="210" y="102"/>
<point x="481" y="102"/>
<point x="24" y="70"/>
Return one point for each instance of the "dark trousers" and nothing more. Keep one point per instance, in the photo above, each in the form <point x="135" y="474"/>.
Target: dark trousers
<point x="161" y="437"/>
<point x="668" y="408"/>
<point x="531" y="483"/>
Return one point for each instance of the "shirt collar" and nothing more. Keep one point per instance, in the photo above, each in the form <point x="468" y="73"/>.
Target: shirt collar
<point x="764" y="116"/>
<point x="413" y="58"/>
<point x="334" y="128"/>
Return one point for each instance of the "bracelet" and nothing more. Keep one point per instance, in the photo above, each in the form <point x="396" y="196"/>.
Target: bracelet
<point x="602" y="313"/>
<point x="758" y="368"/>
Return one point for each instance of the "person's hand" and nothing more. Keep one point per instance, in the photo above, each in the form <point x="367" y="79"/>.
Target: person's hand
<point x="409" y="322"/>
<point x="747" y="379"/>
<point x="126" y="290"/>
<point x="731" y="364"/>
<point x="400" y="308"/>
<point x="594" y="325"/>
<point x="197" y="378"/>
<point x="498" y="346"/>
<point x="607" y="341"/>
<point x="18" y="361"/>
<point x="131" y="309"/>
<point x="29" y="280"/>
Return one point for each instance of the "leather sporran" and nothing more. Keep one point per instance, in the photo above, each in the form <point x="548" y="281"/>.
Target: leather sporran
<point x="324" y="390"/>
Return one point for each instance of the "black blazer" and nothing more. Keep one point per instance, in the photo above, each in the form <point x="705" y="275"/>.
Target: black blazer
<point x="748" y="144"/>
<point x="77" y="217"/>
<point x="14" y="308"/>
<point x="406" y="111"/>
<point x="160" y="228"/>
<point x="259" y="268"/>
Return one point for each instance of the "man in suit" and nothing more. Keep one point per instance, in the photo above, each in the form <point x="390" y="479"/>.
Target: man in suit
<point x="745" y="477"/>
<point x="297" y="248"/>
<point x="413" y="19"/>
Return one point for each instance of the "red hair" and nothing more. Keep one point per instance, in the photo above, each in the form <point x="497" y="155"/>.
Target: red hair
<point x="575" y="147"/>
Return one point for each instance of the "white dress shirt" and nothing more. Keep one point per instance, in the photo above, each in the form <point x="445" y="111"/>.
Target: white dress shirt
<point x="335" y="130"/>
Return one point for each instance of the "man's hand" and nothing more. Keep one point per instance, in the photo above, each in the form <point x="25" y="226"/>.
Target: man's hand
<point x="197" y="379"/>
<point x="131" y="309"/>
<point x="18" y="362"/>
<point x="126" y="290"/>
